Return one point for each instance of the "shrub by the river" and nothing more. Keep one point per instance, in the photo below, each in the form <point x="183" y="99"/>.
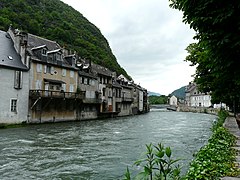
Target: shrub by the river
<point x="215" y="159"/>
<point x="158" y="164"/>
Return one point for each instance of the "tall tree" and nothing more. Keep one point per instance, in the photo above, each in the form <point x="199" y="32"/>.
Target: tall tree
<point x="217" y="25"/>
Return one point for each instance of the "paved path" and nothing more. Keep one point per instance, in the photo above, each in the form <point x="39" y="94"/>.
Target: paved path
<point x="231" y="125"/>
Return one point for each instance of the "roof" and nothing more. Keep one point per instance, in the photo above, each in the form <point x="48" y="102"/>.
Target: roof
<point x="122" y="77"/>
<point x="101" y="70"/>
<point x="38" y="47"/>
<point x="191" y="87"/>
<point x="90" y="75"/>
<point x="36" y="41"/>
<point x="53" y="51"/>
<point x="116" y="84"/>
<point x="9" y="58"/>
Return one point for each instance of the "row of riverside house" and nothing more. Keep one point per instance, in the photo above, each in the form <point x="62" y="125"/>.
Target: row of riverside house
<point x="43" y="82"/>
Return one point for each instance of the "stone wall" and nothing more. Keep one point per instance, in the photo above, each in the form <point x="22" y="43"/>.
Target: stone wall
<point x="198" y="109"/>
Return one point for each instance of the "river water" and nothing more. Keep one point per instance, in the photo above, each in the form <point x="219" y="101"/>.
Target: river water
<point x="99" y="149"/>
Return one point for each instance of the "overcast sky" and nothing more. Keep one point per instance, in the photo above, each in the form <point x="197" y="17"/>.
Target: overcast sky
<point x="147" y="37"/>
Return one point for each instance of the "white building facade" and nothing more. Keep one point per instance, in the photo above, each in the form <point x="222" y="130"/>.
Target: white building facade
<point x="195" y="98"/>
<point x="14" y="78"/>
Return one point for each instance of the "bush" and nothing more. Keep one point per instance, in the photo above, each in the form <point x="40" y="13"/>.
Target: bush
<point x="215" y="159"/>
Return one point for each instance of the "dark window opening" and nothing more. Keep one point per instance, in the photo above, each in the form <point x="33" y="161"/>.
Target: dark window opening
<point x="14" y="105"/>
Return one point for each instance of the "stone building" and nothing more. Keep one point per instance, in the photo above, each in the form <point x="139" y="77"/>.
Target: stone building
<point x="43" y="82"/>
<point x="53" y="78"/>
<point x="88" y="83"/>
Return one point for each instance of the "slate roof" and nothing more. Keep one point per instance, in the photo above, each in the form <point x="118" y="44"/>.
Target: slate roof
<point x="90" y="75"/>
<point x="9" y="58"/>
<point x="190" y="87"/>
<point x="101" y="70"/>
<point x="116" y="84"/>
<point x="35" y="41"/>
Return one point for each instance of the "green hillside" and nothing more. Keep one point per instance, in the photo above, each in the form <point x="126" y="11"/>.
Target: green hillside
<point x="57" y="21"/>
<point x="180" y="93"/>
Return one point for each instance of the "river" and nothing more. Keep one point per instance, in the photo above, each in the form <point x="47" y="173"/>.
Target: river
<point x="99" y="149"/>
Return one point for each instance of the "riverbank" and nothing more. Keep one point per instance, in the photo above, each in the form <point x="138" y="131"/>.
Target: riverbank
<point x="232" y="126"/>
<point x="218" y="157"/>
<point x="207" y="110"/>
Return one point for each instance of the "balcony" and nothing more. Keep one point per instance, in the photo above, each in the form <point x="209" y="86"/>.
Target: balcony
<point x="56" y="94"/>
<point x="127" y="99"/>
<point x="92" y="100"/>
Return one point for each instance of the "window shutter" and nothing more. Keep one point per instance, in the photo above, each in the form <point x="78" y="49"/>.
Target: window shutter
<point x="64" y="87"/>
<point x="52" y="70"/>
<point x="45" y="69"/>
<point x="18" y="80"/>
<point x="39" y="68"/>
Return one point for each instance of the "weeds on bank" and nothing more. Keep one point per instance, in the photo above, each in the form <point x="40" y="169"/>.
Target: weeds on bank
<point x="158" y="164"/>
<point x="215" y="159"/>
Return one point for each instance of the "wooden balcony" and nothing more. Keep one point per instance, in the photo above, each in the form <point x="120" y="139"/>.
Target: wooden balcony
<point x="56" y="94"/>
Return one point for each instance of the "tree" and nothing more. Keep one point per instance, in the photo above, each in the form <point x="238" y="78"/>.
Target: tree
<point x="217" y="53"/>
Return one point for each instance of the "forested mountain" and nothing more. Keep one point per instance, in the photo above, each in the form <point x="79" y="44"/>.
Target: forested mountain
<point x="57" y="21"/>
<point x="180" y="93"/>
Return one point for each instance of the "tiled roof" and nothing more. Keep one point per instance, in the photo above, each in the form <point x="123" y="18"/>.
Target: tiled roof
<point x="9" y="58"/>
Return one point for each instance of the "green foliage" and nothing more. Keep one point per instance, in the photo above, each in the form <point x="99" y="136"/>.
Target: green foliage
<point x="57" y="21"/>
<point x="158" y="164"/>
<point x="216" y="54"/>
<point x="179" y="93"/>
<point x="158" y="99"/>
<point x="215" y="159"/>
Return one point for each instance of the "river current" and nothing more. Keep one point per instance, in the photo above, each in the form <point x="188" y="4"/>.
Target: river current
<point x="98" y="149"/>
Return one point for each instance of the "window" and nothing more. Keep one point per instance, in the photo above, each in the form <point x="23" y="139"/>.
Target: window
<point x="39" y="68"/>
<point x="38" y="84"/>
<point x="85" y="80"/>
<point x="52" y="70"/>
<point x="103" y="91"/>
<point x="18" y="80"/>
<point x="72" y="74"/>
<point x="64" y="87"/>
<point x="48" y="69"/>
<point x="71" y="88"/>
<point x="110" y="93"/>
<point x="13" y="105"/>
<point x="64" y="72"/>
<point x="82" y="80"/>
<point x="58" y="57"/>
<point x="44" y="51"/>
<point x="51" y="87"/>
<point x="45" y="69"/>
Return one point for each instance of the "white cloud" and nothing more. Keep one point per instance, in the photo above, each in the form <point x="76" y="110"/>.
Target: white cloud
<point x="147" y="37"/>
